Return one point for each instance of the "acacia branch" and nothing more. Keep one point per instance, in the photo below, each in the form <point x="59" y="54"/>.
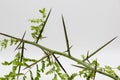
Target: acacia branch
<point x="63" y="54"/>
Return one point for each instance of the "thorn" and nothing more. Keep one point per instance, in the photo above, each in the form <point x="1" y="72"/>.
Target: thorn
<point x="100" y="48"/>
<point x="66" y="37"/>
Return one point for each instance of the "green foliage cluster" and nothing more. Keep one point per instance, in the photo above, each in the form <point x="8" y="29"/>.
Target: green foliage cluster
<point x="37" y="29"/>
<point x="50" y="64"/>
<point x="4" y="43"/>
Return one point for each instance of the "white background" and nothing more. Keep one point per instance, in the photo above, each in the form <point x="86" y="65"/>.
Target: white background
<point x="90" y="24"/>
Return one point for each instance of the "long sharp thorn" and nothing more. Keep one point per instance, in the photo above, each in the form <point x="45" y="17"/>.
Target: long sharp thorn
<point x="43" y="26"/>
<point x="78" y="66"/>
<point x="69" y="48"/>
<point x="99" y="49"/>
<point x="66" y="37"/>
<point x="60" y="65"/>
<point x="87" y="56"/>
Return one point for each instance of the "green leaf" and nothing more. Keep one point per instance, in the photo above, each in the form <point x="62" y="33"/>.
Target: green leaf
<point x="17" y="56"/>
<point x="50" y="71"/>
<point x="63" y="76"/>
<point x="57" y="66"/>
<point x="55" y="77"/>
<point x="42" y="10"/>
<point x="16" y="63"/>
<point x="83" y="56"/>
<point x="3" y="44"/>
<point x="31" y="75"/>
<point x="6" y="63"/>
<point x="37" y="73"/>
<point x="13" y="41"/>
<point x="38" y="20"/>
<point x="73" y="76"/>
<point x="43" y="66"/>
<point x="14" y="68"/>
<point x="94" y="63"/>
<point x="24" y="77"/>
<point x="28" y="60"/>
<point x="109" y="70"/>
<point x="118" y="67"/>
